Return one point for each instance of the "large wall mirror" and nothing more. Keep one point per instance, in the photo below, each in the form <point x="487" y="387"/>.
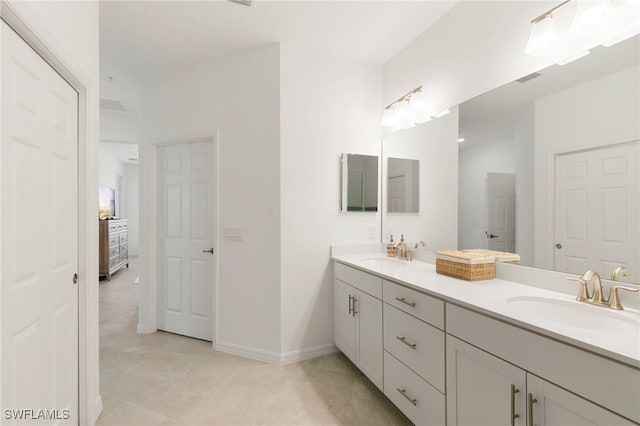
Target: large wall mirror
<point x="549" y="166"/>
<point x="403" y="185"/>
<point x="359" y="183"/>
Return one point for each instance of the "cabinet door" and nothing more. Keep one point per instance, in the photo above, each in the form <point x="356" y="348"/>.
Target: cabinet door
<point x="368" y="312"/>
<point x="553" y="406"/>
<point x="345" y="323"/>
<point x="482" y="389"/>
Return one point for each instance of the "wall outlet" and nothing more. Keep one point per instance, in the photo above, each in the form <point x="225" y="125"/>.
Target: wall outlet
<point x="234" y="234"/>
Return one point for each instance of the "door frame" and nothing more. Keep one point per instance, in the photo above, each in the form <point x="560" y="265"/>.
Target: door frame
<point x="487" y="218"/>
<point x="35" y="34"/>
<point x="149" y="264"/>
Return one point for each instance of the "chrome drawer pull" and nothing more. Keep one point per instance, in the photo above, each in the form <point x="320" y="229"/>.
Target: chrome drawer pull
<point x="403" y="300"/>
<point x="404" y="340"/>
<point x="403" y="392"/>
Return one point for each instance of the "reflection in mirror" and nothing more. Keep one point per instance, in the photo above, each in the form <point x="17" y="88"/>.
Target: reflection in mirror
<point x="549" y="166"/>
<point x="403" y="185"/>
<point x="359" y="183"/>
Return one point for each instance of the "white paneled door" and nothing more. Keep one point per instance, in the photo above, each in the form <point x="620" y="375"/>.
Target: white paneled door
<point x="186" y="233"/>
<point x="597" y="205"/>
<point x="39" y="210"/>
<point x="501" y="211"/>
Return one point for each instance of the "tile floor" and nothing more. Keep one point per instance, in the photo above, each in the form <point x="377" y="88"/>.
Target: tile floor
<point x="166" y="379"/>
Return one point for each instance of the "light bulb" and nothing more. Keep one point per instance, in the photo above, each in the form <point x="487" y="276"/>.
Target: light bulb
<point x="589" y="14"/>
<point x="417" y="102"/>
<point x="543" y="34"/>
<point x="388" y="118"/>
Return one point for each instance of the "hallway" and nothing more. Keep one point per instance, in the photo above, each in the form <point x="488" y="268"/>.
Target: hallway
<point x="166" y="379"/>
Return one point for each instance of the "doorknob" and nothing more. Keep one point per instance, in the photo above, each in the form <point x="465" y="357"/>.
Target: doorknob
<point x="558" y="246"/>
<point x="75" y="278"/>
<point x="208" y="251"/>
<point x="492" y="236"/>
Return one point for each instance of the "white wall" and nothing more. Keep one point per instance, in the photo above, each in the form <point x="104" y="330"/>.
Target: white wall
<point x="109" y="168"/>
<point x="329" y="105"/>
<point x="435" y="145"/>
<point x="130" y="206"/>
<point x="525" y="178"/>
<point x="462" y="56"/>
<point x="475" y="163"/>
<point x="70" y="31"/>
<point x="240" y="97"/>
<point x="602" y="112"/>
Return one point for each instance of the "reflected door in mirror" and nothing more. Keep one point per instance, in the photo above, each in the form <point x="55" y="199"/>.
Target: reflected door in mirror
<point x="597" y="210"/>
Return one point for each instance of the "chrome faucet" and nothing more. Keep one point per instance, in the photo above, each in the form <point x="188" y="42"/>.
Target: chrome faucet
<point x="619" y="272"/>
<point x="597" y="298"/>
<point x="402" y="250"/>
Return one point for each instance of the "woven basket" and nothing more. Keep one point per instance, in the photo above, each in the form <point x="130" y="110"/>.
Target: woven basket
<point x="466" y="271"/>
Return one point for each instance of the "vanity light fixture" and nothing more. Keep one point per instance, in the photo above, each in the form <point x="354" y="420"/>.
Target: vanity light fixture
<point x="589" y="14"/>
<point x="573" y="57"/>
<point x="406" y="111"/>
<point x="587" y="24"/>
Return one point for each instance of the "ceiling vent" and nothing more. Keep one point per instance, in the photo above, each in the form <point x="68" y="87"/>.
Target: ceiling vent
<point x="529" y="77"/>
<point x="112" y="105"/>
<point x="242" y="2"/>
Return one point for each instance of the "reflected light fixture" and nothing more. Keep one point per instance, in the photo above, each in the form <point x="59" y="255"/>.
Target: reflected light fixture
<point x="461" y="140"/>
<point x="442" y="113"/>
<point x="543" y="32"/>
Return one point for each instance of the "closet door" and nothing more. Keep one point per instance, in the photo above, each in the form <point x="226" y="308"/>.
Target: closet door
<point x="39" y="235"/>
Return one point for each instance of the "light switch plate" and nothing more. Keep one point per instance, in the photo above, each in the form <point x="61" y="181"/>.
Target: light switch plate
<point x="234" y="234"/>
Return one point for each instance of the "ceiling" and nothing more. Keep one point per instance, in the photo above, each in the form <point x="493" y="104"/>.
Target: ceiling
<point x="492" y="117"/>
<point x="139" y="38"/>
<point x="124" y="153"/>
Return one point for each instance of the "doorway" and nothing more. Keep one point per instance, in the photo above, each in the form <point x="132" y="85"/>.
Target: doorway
<point x="501" y="212"/>
<point x="186" y="236"/>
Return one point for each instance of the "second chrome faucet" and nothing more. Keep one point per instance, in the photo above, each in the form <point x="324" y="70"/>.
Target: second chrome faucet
<point x="597" y="298"/>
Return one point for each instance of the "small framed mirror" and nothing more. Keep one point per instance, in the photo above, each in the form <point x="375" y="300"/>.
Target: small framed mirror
<point x="359" y="183"/>
<point x="403" y="185"/>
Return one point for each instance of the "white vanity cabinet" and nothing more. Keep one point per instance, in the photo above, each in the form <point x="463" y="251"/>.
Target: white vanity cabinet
<point x="414" y="353"/>
<point x="486" y="390"/>
<point x="479" y="381"/>
<point x="482" y="388"/>
<point x="358" y="320"/>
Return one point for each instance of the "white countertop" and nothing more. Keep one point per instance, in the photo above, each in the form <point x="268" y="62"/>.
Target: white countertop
<point x="613" y="334"/>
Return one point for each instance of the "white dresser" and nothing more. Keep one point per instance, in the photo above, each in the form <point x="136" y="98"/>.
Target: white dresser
<point x="114" y="252"/>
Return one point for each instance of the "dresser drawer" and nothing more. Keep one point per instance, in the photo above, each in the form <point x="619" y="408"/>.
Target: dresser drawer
<point x="123" y="247"/>
<point x="114" y="251"/>
<point x="124" y="255"/>
<point x="114" y="241"/>
<point x="417" y="399"/>
<point x="415" y="343"/>
<point x="360" y="280"/>
<point x="420" y="305"/>
<point x="114" y="260"/>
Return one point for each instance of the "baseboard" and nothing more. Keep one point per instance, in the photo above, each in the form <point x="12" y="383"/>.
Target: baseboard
<point x="99" y="406"/>
<point x="140" y="329"/>
<point x="248" y="352"/>
<point x="274" y="357"/>
<point x="308" y="353"/>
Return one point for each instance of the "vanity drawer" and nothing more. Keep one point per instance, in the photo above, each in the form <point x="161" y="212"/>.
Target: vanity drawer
<point x="417" y="399"/>
<point x="420" y="305"/>
<point x="415" y="343"/>
<point x="360" y="280"/>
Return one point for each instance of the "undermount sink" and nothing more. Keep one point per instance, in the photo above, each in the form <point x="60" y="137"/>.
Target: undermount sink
<point x="577" y="315"/>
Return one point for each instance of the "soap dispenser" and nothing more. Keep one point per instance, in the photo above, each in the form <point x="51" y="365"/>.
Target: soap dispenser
<point x="391" y="248"/>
